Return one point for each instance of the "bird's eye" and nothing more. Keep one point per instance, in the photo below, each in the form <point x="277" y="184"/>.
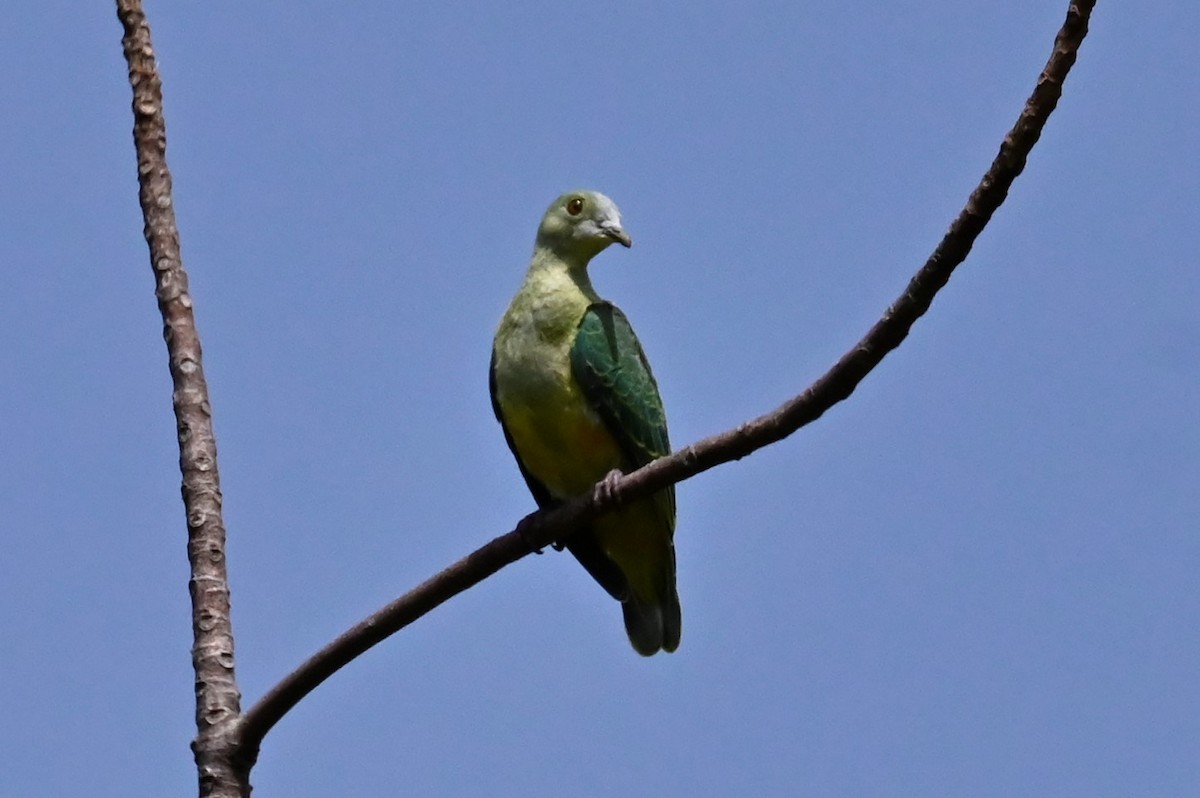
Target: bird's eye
<point x="575" y="206"/>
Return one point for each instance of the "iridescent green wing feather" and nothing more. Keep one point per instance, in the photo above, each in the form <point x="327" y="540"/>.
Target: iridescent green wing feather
<point x="608" y="363"/>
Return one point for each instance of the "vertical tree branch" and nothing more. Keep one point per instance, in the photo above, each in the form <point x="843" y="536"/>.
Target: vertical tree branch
<point x="218" y="702"/>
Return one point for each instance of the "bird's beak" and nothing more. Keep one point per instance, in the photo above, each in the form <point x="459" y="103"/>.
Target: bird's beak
<point x="616" y="233"/>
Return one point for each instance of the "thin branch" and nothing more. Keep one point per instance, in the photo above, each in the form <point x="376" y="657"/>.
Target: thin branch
<point x="544" y="527"/>
<point x="218" y="702"/>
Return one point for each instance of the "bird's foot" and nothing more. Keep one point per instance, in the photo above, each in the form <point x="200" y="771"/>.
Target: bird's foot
<point x="524" y="528"/>
<point x="606" y="490"/>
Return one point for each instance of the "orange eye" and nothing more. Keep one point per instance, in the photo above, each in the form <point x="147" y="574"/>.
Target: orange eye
<point x="575" y="206"/>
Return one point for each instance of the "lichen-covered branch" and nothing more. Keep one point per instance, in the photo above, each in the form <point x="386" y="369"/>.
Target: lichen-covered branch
<point x="544" y="527"/>
<point x="217" y="697"/>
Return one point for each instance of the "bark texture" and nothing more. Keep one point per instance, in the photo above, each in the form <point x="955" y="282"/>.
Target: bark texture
<point x="218" y="702"/>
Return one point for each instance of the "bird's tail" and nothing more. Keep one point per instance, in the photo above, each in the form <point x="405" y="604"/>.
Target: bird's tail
<point x="653" y="625"/>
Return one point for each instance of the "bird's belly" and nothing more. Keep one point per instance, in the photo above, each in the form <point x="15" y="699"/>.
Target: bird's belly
<point x="562" y="442"/>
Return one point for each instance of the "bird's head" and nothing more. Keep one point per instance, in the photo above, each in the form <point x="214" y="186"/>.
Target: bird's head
<point x="579" y="224"/>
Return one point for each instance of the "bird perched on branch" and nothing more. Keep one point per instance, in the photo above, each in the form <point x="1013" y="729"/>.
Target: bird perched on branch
<point x="573" y="391"/>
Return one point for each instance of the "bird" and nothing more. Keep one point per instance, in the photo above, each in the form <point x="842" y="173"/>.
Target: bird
<point x="578" y="404"/>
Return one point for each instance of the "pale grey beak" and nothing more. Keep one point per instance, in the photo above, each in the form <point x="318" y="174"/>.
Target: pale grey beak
<point x="616" y="233"/>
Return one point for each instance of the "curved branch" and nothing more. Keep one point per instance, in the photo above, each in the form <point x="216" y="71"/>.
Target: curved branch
<point x="218" y="702"/>
<point x="544" y="527"/>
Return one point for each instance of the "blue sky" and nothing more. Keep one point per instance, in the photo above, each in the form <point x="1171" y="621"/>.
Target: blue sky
<point x="975" y="577"/>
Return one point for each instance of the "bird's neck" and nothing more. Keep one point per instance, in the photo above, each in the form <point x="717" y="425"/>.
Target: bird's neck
<point x="549" y="267"/>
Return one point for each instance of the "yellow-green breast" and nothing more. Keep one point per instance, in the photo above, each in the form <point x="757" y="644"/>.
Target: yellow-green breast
<point x="558" y="437"/>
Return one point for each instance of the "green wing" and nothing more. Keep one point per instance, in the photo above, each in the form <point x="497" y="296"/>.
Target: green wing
<point x="608" y="363"/>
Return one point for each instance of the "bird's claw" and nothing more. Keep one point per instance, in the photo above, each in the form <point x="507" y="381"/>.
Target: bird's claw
<point x="606" y="490"/>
